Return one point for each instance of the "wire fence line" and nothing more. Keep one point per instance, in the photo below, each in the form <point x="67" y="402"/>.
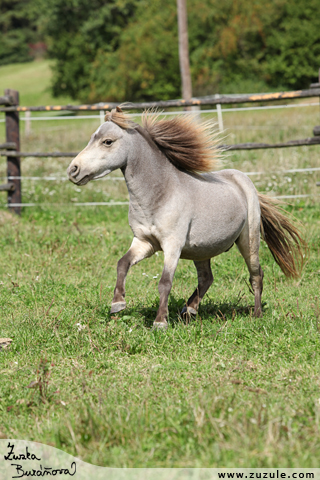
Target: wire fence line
<point x="279" y="172"/>
<point x="120" y="203"/>
<point x="71" y="204"/>
<point x="57" y="177"/>
<point x="114" y="203"/>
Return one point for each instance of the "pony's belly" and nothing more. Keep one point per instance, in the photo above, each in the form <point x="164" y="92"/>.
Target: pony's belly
<point x="204" y="252"/>
<point x="202" y="244"/>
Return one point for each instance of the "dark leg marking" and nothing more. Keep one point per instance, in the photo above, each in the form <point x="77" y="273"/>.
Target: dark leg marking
<point x="118" y="302"/>
<point x="205" y="279"/>
<point x="257" y="286"/>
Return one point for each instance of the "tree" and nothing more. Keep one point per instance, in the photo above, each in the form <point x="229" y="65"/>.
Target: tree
<point x="18" y="29"/>
<point x="79" y="32"/>
<point x="146" y="63"/>
<point x="293" y="45"/>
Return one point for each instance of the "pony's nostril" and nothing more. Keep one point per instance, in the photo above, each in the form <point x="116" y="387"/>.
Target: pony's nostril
<point x="74" y="170"/>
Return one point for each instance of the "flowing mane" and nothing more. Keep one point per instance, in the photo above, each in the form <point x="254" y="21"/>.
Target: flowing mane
<point x="189" y="145"/>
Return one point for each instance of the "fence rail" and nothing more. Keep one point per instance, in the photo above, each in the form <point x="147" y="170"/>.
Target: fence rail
<point x="8" y="145"/>
<point x="7" y="100"/>
<point x="240" y="146"/>
<point x="209" y="100"/>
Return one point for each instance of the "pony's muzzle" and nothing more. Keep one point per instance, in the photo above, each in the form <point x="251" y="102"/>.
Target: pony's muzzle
<point x="77" y="175"/>
<point x="73" y="171"/>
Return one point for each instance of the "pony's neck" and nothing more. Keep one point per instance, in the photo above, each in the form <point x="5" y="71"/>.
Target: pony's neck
<point x="148" y="173"/>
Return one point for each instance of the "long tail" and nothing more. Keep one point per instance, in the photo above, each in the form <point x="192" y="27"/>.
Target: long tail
<point x="282" y="237"/>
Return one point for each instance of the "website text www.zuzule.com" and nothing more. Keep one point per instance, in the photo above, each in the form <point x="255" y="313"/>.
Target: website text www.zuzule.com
<point x="275" y="475"/>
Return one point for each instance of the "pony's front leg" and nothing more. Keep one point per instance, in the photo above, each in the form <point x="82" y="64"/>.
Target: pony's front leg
<point x="138" y="251"/>
<point x="170" y="264"/>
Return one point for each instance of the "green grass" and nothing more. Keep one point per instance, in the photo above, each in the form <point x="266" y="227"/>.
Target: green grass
<point x="32" y="80"/>
<point x="224" y="390"/>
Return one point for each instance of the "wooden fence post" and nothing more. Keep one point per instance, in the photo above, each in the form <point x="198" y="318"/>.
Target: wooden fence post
<point x="184" y="49"/>
<point x="13" y="163"/>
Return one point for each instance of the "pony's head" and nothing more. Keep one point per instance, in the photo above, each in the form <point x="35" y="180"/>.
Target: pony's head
<point x="106" y="151"/>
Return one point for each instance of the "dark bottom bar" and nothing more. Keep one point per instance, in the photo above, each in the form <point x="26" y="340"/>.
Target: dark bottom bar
<point x="240" y="146"/>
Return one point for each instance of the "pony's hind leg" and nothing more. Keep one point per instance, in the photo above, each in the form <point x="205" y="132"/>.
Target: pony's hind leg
<point x="248" y="244"/>
<point x="137" y="252"/>
<point x="205" y="280"/>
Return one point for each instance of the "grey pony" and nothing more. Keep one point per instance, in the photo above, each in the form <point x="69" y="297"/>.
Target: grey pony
<point x="184" y="214"/>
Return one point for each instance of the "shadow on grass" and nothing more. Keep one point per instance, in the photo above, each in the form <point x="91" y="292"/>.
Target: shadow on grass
<point x="212" y="312"/>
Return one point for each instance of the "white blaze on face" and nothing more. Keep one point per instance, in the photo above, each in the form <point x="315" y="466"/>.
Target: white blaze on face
<point x="98" y="130"/>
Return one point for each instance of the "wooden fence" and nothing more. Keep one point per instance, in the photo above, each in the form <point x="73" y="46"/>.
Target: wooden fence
<point x="9" y="104"/>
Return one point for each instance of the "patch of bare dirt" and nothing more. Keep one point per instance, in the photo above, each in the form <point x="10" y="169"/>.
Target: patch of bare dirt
<point x="7" y="217"/>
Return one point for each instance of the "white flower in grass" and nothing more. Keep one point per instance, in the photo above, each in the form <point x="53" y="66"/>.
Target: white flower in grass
<point x="80" y="327"/>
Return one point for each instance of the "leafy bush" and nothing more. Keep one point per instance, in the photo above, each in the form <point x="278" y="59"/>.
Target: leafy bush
<point x="128" y="49"/>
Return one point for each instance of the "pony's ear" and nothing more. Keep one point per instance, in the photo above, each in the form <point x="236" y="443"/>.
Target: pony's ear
<point x="118" y="117"/>
<point x="108" y="115"/>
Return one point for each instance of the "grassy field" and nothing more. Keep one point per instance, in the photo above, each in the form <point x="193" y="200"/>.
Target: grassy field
<point x="32" y="80"/>
<point x="225" y="390"/>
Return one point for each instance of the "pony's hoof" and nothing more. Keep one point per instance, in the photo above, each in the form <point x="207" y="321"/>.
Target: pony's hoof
<point x="117" y="307"/>
<point x="188" y="311"/>
<point x="160" y="326"/>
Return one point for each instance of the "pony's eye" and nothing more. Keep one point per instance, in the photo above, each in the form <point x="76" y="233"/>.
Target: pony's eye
<point x="107" y="142"/>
